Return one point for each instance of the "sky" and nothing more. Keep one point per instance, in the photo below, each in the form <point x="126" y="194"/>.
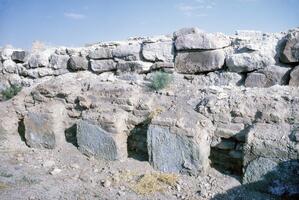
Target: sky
<point x="79" y="22"/>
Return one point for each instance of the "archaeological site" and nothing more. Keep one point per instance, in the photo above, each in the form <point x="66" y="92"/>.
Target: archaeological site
<point x="189" y="115"/>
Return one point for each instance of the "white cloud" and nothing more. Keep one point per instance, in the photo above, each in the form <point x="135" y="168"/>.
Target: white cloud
<point x="75" y="16"/>
<point x="197" y="8"/>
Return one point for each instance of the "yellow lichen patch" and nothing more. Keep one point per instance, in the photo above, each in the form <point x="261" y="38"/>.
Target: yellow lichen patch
<point x="3" y="186"/>
<point x="154" y="182"/>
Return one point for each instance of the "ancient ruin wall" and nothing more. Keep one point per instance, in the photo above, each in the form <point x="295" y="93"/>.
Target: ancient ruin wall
<point x="232" y="104"/>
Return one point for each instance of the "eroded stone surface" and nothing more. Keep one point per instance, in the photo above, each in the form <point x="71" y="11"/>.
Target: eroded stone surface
<point x="196" y="62"/>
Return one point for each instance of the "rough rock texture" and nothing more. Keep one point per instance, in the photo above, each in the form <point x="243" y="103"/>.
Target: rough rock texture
<point x="177" y="143"/>
<point x="269" y="76"/>
<point x="99" y="66"/>
<point x="238" y="116"/>
<point x="39" y="133"/>
<point x="196" y="62"/>
<point x="19" y="56"/>
<point x="93" y="140"/>
<point x="44" y="126"/>
<point x="160" y="51"/>
<point x="294" y="80"/>
<point x="247" y="62"/>
<point x="78" y="63"/>
<point x="271" y="159"/>
<point x="202" y="41"/>
<point x="290" y="53"/>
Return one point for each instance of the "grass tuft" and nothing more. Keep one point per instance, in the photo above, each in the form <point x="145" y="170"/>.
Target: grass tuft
<point x="160" y="80"/>
<point x="10" y="92"/>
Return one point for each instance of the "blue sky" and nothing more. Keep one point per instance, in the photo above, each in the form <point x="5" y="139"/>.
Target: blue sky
<point x="77" y="22"/>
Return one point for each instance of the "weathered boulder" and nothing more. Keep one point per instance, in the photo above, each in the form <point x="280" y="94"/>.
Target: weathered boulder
<point x="196" y="62"/>
<point x="101" y="53"/>
<point x="58" y="61"/>
<point x="38" y="73"/>
<point x="275" y="104"/>
<point x="44" y="125"/>
<point x="100" y="66"/>
<point x="127" y="51"/>
<point x="186" y="31"/>
<point x="39" y="133"/>
<point x="290" y="53"/>
<point x="272" y="141"/>
<point x="39" y="59"/>
<point x="19" y="56"/>
<point x="78" y="63"/>
<point x="270" y="159"/>
<point x="10" y="66"/>
<point x="202" y="41"/>
<point x="178" y="141"/>
<point x="95" y="141"/>
<point x="294" y="80"/>
<point x="269" y="76"/>
<point x="159" y="51"/>
<point x="246" y="62"/>
<point x="6" y="52"/>
<point x="256" y="41"/>
<point x="265" y="175"/>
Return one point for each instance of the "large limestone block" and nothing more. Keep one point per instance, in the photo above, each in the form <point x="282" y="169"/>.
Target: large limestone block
<point x="58" y="61"/>
<point x="39" y="59"/>
<point x="294" y="80"/>
<point x="39" y="133"/>
<point x="290" y="53"/>
<point x="270" y="141"/>
<point x="159" y="51"/>
<point x="268" y="176"/>
<point x="101" y="53"/>
<point x="95" y="141"/>
<point x="127" y="51"/>
<point x="178" y="141"/>
<point x="269" y="76"/>
<point x="44" y="125"/>
<point x="78" y="63"/>
<point x="10" y="66"/>
<point x="19" y="56"/>
<point x="197" y="62"/>
<point x="202" y="41"/>
<point x="100" y="66"/>
<point x="186" y="31"/>
<point x="271" y="158"/>
<point x="246" y="62"/>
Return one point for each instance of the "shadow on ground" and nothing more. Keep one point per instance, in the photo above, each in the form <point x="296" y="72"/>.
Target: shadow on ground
<point x="282" y="184"/>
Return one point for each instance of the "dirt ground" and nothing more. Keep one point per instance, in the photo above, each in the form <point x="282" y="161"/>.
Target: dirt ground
<point x="65" y="173"/>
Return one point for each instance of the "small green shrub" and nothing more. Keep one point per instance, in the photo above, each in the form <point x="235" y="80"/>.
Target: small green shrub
<point x="160" y="80"/>
<point x="10" y="92"/>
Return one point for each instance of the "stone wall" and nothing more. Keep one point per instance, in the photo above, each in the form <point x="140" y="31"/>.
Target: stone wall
<point x="263" y="59"/>
<point x="232" y="103"/>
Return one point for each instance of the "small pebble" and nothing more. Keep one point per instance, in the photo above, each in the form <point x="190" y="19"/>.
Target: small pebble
<point x="55" y="171"/>
<point x="106" y="183"/>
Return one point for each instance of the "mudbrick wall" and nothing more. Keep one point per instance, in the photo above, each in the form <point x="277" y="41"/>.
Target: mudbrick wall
<point x="232" y="103"/>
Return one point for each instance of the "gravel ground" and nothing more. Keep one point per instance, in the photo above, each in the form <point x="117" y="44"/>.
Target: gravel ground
<point x="65" y="173"/>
